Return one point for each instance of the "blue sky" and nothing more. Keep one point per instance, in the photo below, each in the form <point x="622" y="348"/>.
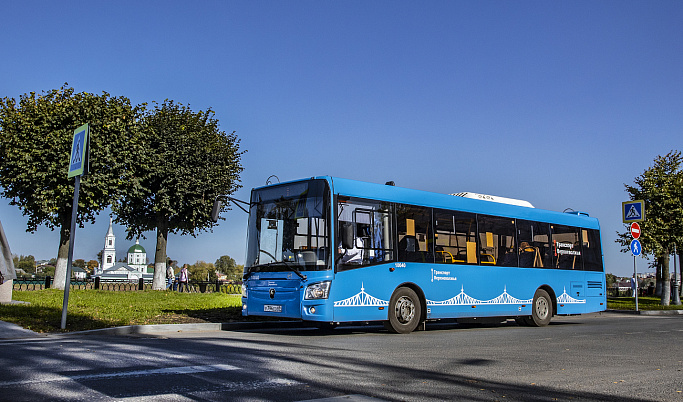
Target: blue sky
<point x="557" y="103"/>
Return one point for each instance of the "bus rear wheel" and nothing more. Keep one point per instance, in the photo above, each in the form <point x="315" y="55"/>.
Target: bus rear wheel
<point x="405" y="311"/>
<point x="541" y="311"/>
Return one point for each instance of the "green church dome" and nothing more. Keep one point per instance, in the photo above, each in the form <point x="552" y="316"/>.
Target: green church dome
<point x="136" y="248"/>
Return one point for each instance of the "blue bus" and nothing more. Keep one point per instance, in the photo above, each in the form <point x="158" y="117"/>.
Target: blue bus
<point x="332" y="250"/>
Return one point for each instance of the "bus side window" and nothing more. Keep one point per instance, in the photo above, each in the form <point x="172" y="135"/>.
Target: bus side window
<point x="455" y="237"/>
<point x="567" y="248"/>
<point x="592" y="260"/>
<point x="534" y="244"/>
<point x="364" y="234"/>
<point x="415" y="242"/>
<point x="497" y="241"/>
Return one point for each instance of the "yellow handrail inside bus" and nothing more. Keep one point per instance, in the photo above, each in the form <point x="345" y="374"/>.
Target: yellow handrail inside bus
<point x="493" y="259"/>
<point x="444" y="256"/>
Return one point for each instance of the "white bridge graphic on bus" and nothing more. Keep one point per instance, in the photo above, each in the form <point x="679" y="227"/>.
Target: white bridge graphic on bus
<point x="363" y="299"/>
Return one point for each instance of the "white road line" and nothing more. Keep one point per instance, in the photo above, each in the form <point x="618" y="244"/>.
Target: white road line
<point x="136" y="373"/>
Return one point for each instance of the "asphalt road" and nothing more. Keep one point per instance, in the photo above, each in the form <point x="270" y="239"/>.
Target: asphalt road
<point x="596" y="357"/>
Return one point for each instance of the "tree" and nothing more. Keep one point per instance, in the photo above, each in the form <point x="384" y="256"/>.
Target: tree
<point x="188" y="162"/>
<point x="91" y="265"/>
<point x="35" y="144"/>
<point x="80" y="263"/>
<point x="26" y="263"/>
<point x="47" y="271"/>
<point x="660" y="187"/>
<point x="202" y="271"/>
<point x="677" y="192"/>
<point x="611" y="279"/>
<point x="228" y="266"/>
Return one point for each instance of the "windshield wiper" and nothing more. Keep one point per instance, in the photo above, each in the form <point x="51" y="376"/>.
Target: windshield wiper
<point x="270" y="264"/>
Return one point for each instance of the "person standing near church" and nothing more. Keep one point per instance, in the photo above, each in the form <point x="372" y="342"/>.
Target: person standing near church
<point x="183" y="278"/>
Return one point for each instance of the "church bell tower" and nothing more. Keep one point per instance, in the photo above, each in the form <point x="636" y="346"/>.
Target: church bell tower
<point x="109" y="251"/>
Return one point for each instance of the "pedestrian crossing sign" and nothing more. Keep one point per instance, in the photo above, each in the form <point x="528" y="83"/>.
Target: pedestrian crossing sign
<point x="633" y="211"/>
<point x="80" y="150"/>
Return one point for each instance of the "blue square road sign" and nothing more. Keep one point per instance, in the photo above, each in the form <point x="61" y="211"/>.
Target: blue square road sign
<point x="80" y="147"/>
<point x="633" y="211"/>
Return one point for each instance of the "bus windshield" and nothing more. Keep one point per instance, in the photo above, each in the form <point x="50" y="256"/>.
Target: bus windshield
<point x="289" y="228"/>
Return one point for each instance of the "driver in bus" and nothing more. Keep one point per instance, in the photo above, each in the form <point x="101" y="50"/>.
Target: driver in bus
<point x="353" y="255"/>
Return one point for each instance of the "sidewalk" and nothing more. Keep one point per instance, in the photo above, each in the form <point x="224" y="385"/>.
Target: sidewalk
<point x="13" y="331"/>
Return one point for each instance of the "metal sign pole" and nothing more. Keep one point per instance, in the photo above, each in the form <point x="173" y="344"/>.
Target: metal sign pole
<point x="72" y="239"/>
<point x="635" y="281"/>
<point x="636" y="250"/>
<point x="677" y="297"/>
<point x="78" y="165"/>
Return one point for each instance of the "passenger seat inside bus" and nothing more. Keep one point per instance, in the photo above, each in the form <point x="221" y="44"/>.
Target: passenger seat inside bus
<point x="409" y="249"/>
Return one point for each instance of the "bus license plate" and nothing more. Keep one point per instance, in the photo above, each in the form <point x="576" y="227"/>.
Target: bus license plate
<point x="271" y="308"/>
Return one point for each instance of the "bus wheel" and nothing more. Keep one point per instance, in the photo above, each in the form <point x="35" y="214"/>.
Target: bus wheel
<point x="405" y="311"/>
<point x="542" y="309"/>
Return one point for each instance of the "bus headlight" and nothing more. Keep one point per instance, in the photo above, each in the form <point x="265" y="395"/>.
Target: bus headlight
<point x="320" y="290"/>
<point x="244" y="290"/>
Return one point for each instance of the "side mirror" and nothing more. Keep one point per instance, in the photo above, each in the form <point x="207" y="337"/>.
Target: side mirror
<point x="347" y="236"/>
<point x="216" y="211"/>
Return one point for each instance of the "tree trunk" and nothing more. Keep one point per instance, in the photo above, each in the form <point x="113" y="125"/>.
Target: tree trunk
<point x="666" y="280"/>
<point x="680" y="273"/>
<point x="159" y="282"/>
<point x="658" y="276"/>
<point x="62" y="256"/>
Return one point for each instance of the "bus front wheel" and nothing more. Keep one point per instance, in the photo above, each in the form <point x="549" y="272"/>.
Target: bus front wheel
<point x="405" y="311"/>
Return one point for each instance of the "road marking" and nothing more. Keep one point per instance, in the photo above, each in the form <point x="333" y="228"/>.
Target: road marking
<point x="33" y="341"/>
<point x="136" y="373"/>
<point x="346" y="398"/>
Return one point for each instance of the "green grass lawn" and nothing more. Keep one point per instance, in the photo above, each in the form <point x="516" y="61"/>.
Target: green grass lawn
<point x="94" y="309"/>
<point x="644" y="303"/>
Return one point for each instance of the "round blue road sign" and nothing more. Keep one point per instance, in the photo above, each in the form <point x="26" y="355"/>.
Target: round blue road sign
<point x="635" y="247"/>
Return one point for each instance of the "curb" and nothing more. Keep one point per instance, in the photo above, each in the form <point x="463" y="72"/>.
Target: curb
<point x="647" y="312"/>
<point x="156" y="329"/>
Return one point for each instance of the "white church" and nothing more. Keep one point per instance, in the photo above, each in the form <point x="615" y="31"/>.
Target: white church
<point x="133" y="270"/>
